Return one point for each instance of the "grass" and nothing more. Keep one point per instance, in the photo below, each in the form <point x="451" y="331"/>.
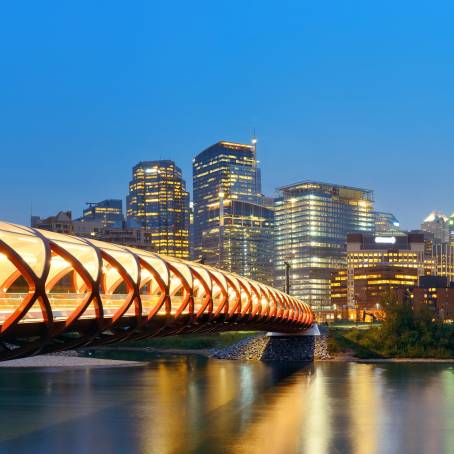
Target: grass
<point x="350" y="325"/>
<point x="343" y="341"/>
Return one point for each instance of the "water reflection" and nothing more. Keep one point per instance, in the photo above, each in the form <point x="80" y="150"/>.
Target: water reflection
<point x="196" y="405"/>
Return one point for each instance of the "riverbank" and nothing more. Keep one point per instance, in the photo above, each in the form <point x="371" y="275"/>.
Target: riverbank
<point x="246" y="351"/>
<point x="246" y="355"/>
<point x="403" y="360"/>
<point x="369" y="346"/>
<point x="241" y="346"/>
<point x="332" y="345"/>
<point x="349" y="357"/>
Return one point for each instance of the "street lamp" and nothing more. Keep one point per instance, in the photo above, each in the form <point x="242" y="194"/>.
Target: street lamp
<point x="287" y="277"/>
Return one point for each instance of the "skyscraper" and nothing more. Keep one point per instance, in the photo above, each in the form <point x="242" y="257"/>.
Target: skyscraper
<point x="224" y="168"/>
<point x="232" y="221"/>
<point x="437" y="223"/>
<point x="443" y="259"/>
<point x="158" y="201"/>
<point x="451" y="228"/>
<point x="312" y="220"/>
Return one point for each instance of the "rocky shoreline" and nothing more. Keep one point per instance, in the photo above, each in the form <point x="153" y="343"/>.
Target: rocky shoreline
<point x="267" y="348"/>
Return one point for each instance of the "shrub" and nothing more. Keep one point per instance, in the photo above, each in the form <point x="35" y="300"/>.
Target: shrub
<point x="405" y="332"/>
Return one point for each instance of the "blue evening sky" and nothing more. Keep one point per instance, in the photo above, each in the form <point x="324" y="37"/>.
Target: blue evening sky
<point x="351" y="92"/>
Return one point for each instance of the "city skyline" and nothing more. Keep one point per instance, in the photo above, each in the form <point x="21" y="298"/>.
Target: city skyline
<point x="77" y="205"/>
<point x="354" y="107"/>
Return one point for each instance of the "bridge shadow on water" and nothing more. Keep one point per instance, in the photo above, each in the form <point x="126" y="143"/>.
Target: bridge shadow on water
<point x="172" y="405"/>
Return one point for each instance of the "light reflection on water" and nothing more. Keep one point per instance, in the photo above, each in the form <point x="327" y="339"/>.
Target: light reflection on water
<point x="207" y="406"/>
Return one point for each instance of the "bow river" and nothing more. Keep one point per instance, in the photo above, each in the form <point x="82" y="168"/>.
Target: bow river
<point x="178" y="404"/>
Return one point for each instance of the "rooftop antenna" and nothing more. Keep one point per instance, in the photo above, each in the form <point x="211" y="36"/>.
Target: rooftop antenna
<point x="254" y="139"/>
<point x="254" y="146"/>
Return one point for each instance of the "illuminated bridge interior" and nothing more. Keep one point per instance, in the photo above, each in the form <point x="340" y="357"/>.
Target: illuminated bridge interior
<point x="59" y="292"/>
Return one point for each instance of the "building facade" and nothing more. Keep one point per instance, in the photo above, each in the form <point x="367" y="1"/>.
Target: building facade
<point x="439" y="255"/>
<point x="243" y="243"/>
<point x="433" y="292"/>
<point x="338" y="288"/>
<point x="158" y="202"/>
<point x="443" y="260"/>
<point x="312" y="220"/>
<point x="378" y="265"/>
<point x="96" y="229"/>
<point x="125" y="235"/>
<point x="61" y="223"/>
<point x="233" y="221"/>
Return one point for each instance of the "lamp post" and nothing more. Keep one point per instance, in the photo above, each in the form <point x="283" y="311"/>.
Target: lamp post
<point x="287" y="277"/>
<point x="291" y="255"/>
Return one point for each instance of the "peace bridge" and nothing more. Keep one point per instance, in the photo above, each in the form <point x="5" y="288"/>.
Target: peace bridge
<point x="59" y="292"/>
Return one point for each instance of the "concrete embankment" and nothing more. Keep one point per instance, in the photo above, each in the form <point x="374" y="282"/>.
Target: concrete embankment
<point x="265" y="348"/>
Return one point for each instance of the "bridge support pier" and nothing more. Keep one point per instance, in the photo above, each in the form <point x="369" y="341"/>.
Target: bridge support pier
<point x="274" y="347"/>
<point x="291" y="347"/>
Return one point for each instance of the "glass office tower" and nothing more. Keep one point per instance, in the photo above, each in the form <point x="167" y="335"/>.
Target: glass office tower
<point x="387" y="223"/>
<point x="109" y="211"/>
<point x="233" y="222"/>
<point x="437" y="223"/>
<point x="242" y="240"/>
<point x="312" y="220"/>
<point x="158" y="202"/>
<point x="225" y="168"/>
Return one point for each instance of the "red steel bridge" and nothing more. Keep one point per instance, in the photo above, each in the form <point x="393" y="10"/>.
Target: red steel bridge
<point x="60" y="292"/>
